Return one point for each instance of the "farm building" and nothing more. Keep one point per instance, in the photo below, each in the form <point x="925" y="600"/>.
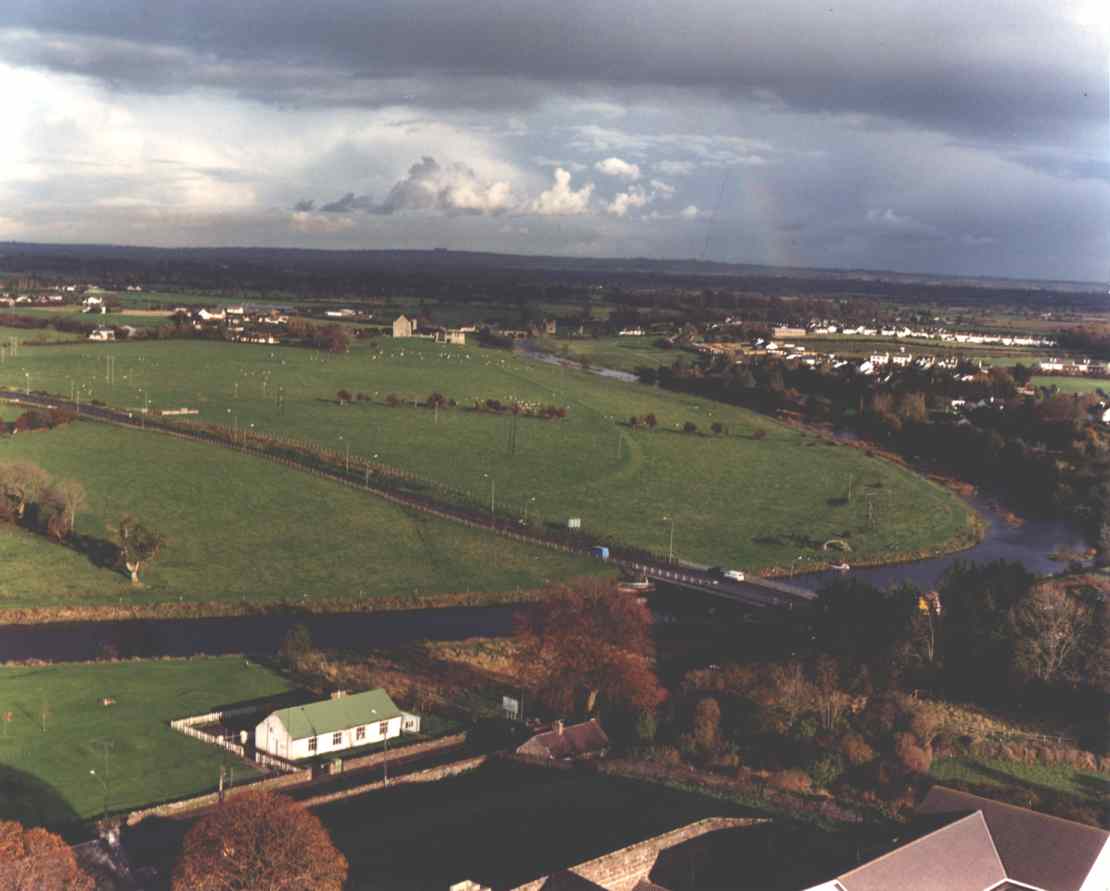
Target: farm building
<point x="403" y="326"/>
<point x="346" y="721"/>
<point x="585" y="740"/>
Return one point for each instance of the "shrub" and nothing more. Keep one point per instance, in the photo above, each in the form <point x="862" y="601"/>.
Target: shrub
<point x="689" y="427"/>
<point x="343" y="396"/>
<point x="791" y="780"/>
<point x="759" y="434"/>
<point x="925" y="721"/>
<point x="910" y="755"/>
<point x="825" y="770"/>
<point x="646" y="727"/>
<point x="717" y="428"/>
<point x="855" y="748"/>
<point x="392" y="400"/>
<point x="707" y="724"/>
<point x="664" y="755"/>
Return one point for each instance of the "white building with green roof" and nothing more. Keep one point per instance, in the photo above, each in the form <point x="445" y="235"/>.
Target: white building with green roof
<point x="346" y="721"/>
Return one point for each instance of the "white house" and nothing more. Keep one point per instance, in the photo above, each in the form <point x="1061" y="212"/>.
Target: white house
<point x="102" y="334"/>
<point x="403" y="326"/>
<point x="346" y="721"/>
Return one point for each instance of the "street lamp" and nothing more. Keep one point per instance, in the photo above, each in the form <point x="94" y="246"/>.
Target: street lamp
<point x="347" y="442"/>
<point x="104" y="783"/>
<point x="492" y="494"/>
<point x="670" y="548"/>
<point x="794" y="564"/>
<point x="526" y="503"/>
<point x="235" y="426"/>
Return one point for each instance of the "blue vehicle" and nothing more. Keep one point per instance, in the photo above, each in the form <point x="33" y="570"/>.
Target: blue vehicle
<point x="600" y="551"/>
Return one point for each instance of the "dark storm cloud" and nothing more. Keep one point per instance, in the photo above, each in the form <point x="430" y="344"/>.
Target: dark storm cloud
<point x="1065" y="166"/>
<point x="348" y="203"/>
<point x="998" y="70"/>
<point x="305" y="205"/>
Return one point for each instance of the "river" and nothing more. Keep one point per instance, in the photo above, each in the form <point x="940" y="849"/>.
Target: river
<point x="130" y="638"/>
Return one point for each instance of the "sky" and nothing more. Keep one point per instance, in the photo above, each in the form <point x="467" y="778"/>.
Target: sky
<point x="946" y="137"/>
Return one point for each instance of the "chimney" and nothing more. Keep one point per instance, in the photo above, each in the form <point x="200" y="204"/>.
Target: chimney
<point x="557" y="726"/>
<point x="338" y="694"/>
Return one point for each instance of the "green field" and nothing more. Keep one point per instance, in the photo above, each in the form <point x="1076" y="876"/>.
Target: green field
<point x="241" y="528"/>
<point x="1071" y="384"/>
<point x="734" y="498"/>
<point x="44" y="777"/>
<point x="30" y="335"/>
<point x="1056" y="783"/>
<point x="621" y="353"/>
<point x="74" y="314"/>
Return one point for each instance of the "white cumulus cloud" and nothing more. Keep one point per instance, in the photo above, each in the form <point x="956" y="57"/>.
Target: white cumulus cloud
<point x="561" y="199"/>
<point x="690" y="212"/>
<point x="624" y="201"/>
<point x="618" y="167"/>
<point x="454" y="189"/>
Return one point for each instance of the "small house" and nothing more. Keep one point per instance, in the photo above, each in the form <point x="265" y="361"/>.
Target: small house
<point x="346" y="721"/>
<point x="585" y="740"/>
<point x="102" y="334"/>
<point x="454" y="336"/>
<point x="403" y="326"/>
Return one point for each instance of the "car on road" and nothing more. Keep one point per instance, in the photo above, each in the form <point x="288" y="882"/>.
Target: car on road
<point x="718" y="573"/>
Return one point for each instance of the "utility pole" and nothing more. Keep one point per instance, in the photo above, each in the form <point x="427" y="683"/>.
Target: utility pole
<point x="670" y="547"/>
<point x="492" y="494"/>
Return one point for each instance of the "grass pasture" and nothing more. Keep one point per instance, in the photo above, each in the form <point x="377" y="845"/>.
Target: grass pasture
<point x="621" y="353"/>
<point x="44" y="777"/>
<point x="734" y="498"/>
<point x="1058" y="783"/>
<point x="243" y="529"/>
<point x="1071" y="384"/>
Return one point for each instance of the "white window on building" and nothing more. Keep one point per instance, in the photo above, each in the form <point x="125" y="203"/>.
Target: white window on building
<point x="337" y="738"/>
<point x="383" y="728"/>
<point x="360" y="733"/>
<point x="312" y="743"/>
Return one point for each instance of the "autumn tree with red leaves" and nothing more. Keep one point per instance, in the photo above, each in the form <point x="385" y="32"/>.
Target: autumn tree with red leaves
<point x="588" y="643"/>
<point x="257" y="840"/>
<point x="39" y="860"/>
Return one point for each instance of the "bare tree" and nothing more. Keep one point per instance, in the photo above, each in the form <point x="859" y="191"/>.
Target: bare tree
<point x="829" y="698"/>
<point x="793" y="693"/>
<point x="21" y="484"/>
<point x="1052" y="627"/>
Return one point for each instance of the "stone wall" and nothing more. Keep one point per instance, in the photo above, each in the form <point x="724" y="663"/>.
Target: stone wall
<point x="421" y="776"/>
<point x="620" y="870"/>
<point x="188" y="804"/>
<point x="433" y="745"/>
